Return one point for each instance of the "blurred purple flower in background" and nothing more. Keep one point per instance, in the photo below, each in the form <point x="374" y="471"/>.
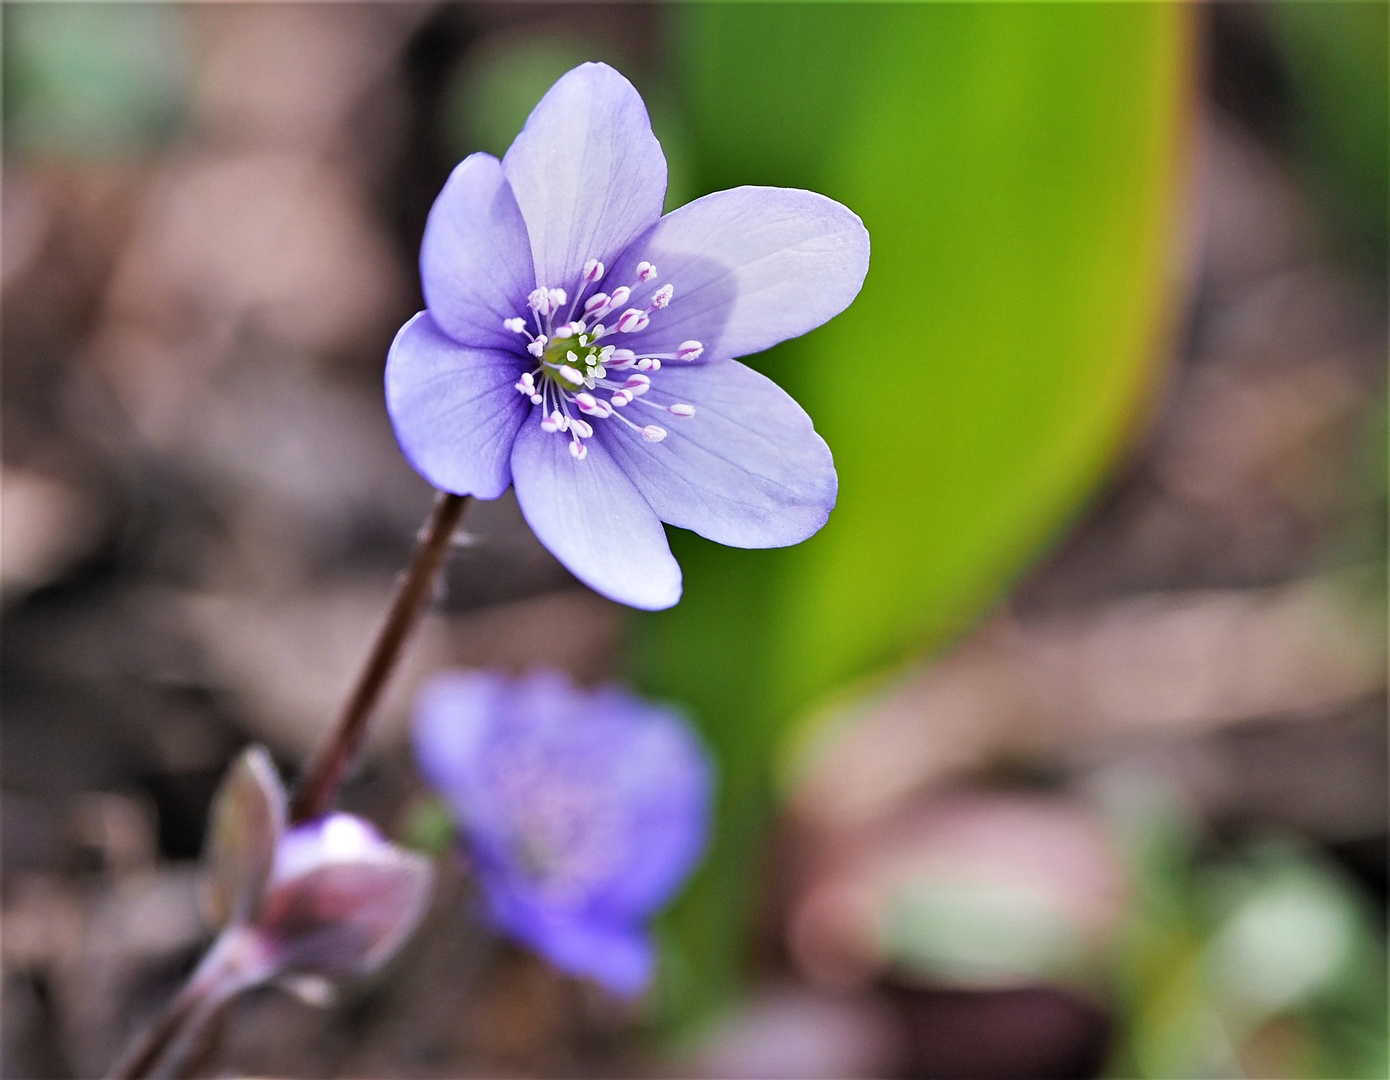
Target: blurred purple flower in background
<point x="579" y="346"/>
<point x="584" y="811"/>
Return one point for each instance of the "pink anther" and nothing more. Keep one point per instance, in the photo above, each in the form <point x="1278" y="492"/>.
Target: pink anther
<point x="632" y="320"/>
<point x="689" y="350"/>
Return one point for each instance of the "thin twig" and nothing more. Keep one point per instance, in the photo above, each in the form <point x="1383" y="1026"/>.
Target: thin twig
<point x="316" y="791"/>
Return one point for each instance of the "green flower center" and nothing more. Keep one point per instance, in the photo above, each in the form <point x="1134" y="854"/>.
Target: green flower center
<point x="572" y="362"/>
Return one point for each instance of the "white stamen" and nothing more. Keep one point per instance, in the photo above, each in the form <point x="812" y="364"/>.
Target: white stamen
<point x="621" y="397"/>
<point x="516" y="325"/>
<point x="593" y="270"/>
<point x="689" y="350"/>
<point x="619" y="296"/>
<point x="645" y="272"/>
<point x="619" y="359"/>
<point x="638" y="384"/>
<point x="569" y="374"/>
<point x="580" y="427"/>
<point x="632" y="320"/>
<point x="539" y="301"/>
<point x="683" y="411"/>
<point x="662" y="296"/>
<point x="585" y="401"/>
<point x="649" y="363"/>
<point x="557" y="299"/>
<point x="578" y="450"/>
<point x="652" y="433"/>
<point x="537" y="347"/>
<point x="536" y="399"/>
<point x="598" y="300"/>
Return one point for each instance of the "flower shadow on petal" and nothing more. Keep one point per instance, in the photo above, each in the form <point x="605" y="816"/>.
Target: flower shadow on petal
<point x="709" y="300"/>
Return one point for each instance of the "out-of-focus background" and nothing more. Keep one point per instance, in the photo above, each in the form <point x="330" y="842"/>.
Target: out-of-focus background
<point x="1060" y="752"/>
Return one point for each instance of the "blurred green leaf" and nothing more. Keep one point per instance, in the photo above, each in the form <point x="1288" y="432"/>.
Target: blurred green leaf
<point x="1336" y="57"/>
<point x="494" y="89"/>
<point x="92" y="79"/>
<point x="1019" y="171"/>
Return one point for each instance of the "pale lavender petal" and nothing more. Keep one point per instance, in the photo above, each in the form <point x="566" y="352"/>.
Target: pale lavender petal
<point x="455" y="408"/>
<point x="751" y="266"/>
<point x="475" y="260"/>
<point x="587" y="171"/>
<point x="748" y="469"/>
<point x="593" y="520"/>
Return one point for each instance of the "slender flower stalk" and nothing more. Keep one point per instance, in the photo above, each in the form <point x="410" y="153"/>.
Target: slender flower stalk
<point x="316" y="790"/>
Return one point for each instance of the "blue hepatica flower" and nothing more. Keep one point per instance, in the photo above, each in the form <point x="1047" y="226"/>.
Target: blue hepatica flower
<point x="579" y="346"/>
<point x="584" y="811"/>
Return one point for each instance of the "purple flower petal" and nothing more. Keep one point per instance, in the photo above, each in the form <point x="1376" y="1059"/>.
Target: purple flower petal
<point x="457" y="716"/>
<point x="619" y="957"/>
<point x="455" y="408"/>
<point x="751" y="266"/>
<point x="453" y="718"/>
<point x="592" y="518"/>
<point x="475" y="260"/>
<point x="587" y="171"/>
<point x="748" y="469"/>
<point x="662" y="782"/>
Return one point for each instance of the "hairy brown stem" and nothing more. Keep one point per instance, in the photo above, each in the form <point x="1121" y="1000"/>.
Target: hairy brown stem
<point x="316" y="791"/>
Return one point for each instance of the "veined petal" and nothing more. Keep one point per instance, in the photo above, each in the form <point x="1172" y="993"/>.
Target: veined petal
<point x="455" y="408"/>
<point x="593" y="520"/>
<point x="475" y="260"/>
<point x="587" y="172"/>
<point x="751" y="266"/>
<point x="748" y="469"/>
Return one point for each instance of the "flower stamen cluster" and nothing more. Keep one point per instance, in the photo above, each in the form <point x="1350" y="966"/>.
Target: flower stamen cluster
<point x="574" y="362"/>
